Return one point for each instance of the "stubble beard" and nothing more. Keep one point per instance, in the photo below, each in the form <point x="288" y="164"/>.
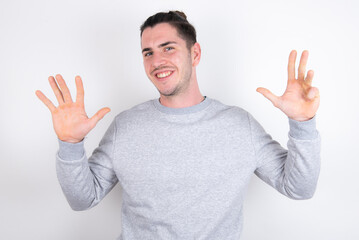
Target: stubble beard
<point x="179" y="88"/>
<point x="183" y="83"/>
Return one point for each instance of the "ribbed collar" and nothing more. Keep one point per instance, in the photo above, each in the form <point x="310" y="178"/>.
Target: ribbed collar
<point x="180" y="111"/>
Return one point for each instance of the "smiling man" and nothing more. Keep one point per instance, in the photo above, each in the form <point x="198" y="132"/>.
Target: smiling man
<point x="184" y="161"/>
<point x="170" y="63"/>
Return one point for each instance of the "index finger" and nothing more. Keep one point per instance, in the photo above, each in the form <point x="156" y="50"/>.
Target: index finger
<point x="291" y="65"/>
<point x="80" y="90"/>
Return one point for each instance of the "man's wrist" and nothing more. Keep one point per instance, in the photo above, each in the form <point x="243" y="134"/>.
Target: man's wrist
<point x="71" y="151"/>
<point x="303" y="130"/>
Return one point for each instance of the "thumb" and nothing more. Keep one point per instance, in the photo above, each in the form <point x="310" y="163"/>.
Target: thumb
<point x="269" y="95"/>
<point x="98" y="116"/>
<point x="313" y="93"/>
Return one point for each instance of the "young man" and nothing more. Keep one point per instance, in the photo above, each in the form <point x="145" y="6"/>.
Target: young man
<point x="184" y="161"/>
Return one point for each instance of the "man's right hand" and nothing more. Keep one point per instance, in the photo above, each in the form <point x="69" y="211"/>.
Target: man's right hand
<point x="70" y="121"/>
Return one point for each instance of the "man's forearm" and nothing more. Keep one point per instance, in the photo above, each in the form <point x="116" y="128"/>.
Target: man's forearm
<point x="74" y="175"/>
<point x="293" y="172"/>
<point x="86" y="181"/>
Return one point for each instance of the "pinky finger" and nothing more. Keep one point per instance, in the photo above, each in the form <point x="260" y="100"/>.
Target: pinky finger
<point x="309" y="77"/>
<point x="45" y="100"/>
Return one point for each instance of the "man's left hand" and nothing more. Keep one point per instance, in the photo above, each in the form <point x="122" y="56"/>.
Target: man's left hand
<point x="300" y="100"/>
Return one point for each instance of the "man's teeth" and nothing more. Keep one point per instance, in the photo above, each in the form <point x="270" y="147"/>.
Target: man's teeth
<point x="164" y="74"/>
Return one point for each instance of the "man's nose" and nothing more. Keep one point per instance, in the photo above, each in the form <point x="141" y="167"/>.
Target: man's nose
<point x="158" y="60"/>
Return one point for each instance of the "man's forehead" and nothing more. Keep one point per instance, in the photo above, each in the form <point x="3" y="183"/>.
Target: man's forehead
<point x="160" y="33"/>
<point x="159" y="28"/>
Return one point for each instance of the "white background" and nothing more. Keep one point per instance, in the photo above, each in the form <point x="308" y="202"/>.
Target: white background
<point x="245" y="44"/>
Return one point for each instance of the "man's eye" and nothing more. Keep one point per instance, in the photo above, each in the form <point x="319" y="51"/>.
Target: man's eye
<point x="169" y="48"/>
<point x="148" y="54"/>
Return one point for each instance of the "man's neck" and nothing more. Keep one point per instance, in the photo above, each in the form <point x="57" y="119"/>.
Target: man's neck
<point x="181" y="101"/>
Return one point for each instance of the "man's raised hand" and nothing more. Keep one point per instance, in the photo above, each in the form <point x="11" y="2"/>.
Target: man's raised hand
<point x="69" y="119"/>
<point x="300" y="100"/>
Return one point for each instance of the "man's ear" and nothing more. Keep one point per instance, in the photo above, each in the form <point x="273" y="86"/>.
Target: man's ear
<point x="196" y="54"/>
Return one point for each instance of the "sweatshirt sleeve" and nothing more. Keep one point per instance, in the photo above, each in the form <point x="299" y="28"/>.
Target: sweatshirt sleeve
<point x="86" y="181"/>
<point x="293" y="172"/>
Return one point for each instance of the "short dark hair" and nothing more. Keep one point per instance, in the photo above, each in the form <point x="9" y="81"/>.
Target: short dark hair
<point x="176" y="19"/>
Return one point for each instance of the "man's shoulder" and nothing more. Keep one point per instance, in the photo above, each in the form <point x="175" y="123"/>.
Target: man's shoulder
<point x="138" y="110"/>
<point x="229" y="110"/>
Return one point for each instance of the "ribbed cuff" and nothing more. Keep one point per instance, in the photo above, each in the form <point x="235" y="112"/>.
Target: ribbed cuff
<point x="71" y="151"/>
<point x="305" y="130"/>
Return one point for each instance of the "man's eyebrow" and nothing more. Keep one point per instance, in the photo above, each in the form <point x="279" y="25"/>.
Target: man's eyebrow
<point x="146" y="50"/>
<point x="159" y="46"/>
<point x="166" y="43"/>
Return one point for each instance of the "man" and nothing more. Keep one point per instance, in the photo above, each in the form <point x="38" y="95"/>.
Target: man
<point x="184" y="161"/>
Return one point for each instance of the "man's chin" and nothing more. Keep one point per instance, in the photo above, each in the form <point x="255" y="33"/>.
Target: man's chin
<point x="168" y="93"/>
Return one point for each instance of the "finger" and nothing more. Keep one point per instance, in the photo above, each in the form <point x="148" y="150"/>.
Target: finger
<point x="56" y="90"/>
<point x="64" y="89"/>
<point x="309" y="78"/>
<point x="45" y="100"/>
<point x="302" y="65"/>
<point x="269" y="95"/>
<point x="313" y="93"/>
<point x="80" y="91"/>
<point x="291" y="65"/>
<point x="98" y="116"/>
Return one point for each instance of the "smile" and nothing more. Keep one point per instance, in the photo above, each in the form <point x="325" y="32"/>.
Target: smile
<point x="164" y="74"/>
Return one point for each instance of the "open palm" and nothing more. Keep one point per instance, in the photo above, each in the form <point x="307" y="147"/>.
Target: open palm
<point x="70" y="120"/>
<point x="300" y="100"/>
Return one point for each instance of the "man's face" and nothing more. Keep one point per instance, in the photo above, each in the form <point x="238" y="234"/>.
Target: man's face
<point x="167" y="60"/>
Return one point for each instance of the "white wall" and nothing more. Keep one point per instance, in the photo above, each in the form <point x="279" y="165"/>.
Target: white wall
<point x="245" y="44"/>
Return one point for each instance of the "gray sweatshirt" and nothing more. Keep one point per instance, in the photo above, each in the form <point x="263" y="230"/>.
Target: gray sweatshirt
<point x="184" y="171"/>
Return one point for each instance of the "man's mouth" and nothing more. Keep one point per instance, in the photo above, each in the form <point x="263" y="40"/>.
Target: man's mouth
<point x="164" y="74"/>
